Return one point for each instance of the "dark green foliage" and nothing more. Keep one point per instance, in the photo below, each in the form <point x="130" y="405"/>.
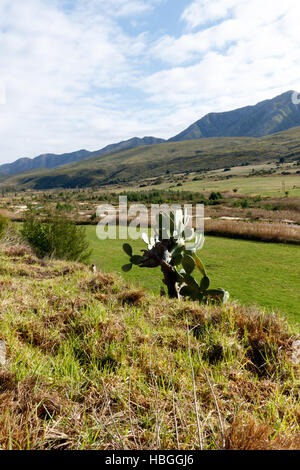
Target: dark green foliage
<point x="127" y="248"/>
<point x="215" y="196"/>
<point x="64" y="207"/>
<point x="157" y="196"/>
<point x="56" y="236"/>
<point x="245" y="203"/>
<point x="127" y="267"/>
<point x="188" y="264"/>
<point x="134" y="259"/>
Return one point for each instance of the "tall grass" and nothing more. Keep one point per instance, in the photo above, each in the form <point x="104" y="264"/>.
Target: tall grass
<point x="281" y="233"/>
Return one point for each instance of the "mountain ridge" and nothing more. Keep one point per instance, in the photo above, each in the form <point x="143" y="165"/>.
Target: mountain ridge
<point x="267" y="117"/>
<point x="51" y="160"/>
<point x="152" y="161"/>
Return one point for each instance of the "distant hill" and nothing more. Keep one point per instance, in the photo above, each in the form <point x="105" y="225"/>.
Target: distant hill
<point x="265" y="118"/>
<point x="50" y="160"/>
<point x="45" y="161"/>
<point x="251" y="134"/>
<point x="137" y="164"/>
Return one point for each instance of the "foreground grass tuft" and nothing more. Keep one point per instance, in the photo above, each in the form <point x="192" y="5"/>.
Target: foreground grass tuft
<point x="93" y="363"/>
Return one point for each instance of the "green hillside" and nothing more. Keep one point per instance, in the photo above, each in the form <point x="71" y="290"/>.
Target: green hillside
<point x="265" y="118"/>
<point x="155" y="160"/>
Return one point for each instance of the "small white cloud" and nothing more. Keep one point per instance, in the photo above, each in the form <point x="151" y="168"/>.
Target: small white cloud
<point x="201" y="12"/>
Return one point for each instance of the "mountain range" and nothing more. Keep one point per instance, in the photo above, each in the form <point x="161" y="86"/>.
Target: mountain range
<point x="249" y="123"/>
<point x="50" y="160"/>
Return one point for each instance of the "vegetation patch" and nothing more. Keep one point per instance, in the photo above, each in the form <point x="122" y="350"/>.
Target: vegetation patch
<point x="83" y="373"/>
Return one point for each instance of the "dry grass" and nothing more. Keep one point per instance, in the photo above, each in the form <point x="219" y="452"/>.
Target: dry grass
<point x="281" y="233"/>
<point x="251" y="435"/>
<point x="94" y="364"/>
<point x="253" y="213"/>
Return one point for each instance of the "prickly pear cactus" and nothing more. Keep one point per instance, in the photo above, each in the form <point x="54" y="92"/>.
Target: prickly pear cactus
<point x="168" y="250"/>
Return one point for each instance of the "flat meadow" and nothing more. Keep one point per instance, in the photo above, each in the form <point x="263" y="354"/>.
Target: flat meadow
<point x="268" y="186"/>
<point x="255" y="273"/>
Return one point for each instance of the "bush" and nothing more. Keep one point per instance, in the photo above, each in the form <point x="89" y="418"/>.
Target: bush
<point x="3" y="224"/>
<point x="215" y="196"/>
<point x="57" y="236"/>
<point x="245" y="203"/>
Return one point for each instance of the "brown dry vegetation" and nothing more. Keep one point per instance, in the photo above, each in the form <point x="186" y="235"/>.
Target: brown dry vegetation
<point x="281" y="233"/>
<point x="93" y="363"/>
<point x="253" y="213"/>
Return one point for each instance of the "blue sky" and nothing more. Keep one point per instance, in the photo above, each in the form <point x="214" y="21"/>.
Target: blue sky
<point x="87" y="73"/>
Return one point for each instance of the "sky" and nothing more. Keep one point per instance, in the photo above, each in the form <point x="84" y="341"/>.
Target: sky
<point x="80" y="74"/>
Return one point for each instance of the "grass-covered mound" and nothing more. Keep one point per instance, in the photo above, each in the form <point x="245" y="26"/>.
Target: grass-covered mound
<point x="92" y="363"/>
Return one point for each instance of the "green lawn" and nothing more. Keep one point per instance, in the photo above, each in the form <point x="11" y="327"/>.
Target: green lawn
<point x="266" y="274"/>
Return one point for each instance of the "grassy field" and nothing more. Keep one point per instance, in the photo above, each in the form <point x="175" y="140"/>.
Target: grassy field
<point x="274" y="186"/>
<point x="265" y="186"/>
<point x="266" y="274"/>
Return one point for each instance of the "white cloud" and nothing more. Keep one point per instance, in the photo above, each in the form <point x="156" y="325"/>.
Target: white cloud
<point x="256" y="12"/>
<point x="269" y="27"/>
<point x="128" y="7"/>
<point x="201" y="12"/>
<point x="75" y="79"/>
<point x="251" y="55"/>
<point x="62" y="71"/>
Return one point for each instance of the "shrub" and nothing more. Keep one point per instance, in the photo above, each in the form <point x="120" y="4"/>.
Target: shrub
<point x="57" y="236"/>
<point x="215" y="196"/>
<point x="64" y="207"/>
<point x="245" y="203"/>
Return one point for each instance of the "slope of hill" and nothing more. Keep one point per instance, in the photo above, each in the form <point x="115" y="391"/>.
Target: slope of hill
<point x="151" y="161"/>
<point x="89" y="362"/>
<point x="49" y="160"/>
<point x="267" y="117"/>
